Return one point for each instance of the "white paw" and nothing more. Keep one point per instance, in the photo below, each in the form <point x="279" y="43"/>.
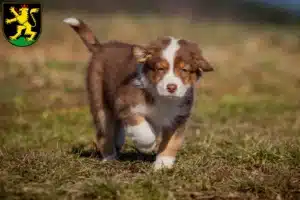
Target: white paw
<point x="143" y="136"/>
<point x="162" y="162"/>
<point x="109" y="157"/>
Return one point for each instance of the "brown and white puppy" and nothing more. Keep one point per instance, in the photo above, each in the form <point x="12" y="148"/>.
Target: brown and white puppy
<point x="141" y="92"/>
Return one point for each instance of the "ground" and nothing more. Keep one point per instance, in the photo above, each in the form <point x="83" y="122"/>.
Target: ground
<point x="243" y="140"/>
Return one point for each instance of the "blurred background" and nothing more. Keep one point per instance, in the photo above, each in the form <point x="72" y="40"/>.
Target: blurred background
<point x="254" y="45"/>
<point x="244" y="136"/>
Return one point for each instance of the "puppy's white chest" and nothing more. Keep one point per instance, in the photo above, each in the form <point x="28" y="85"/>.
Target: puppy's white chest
<point x="163" y="113"/>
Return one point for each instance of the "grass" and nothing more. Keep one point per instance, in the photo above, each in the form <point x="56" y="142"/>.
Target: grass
<point x="243" y="141"/>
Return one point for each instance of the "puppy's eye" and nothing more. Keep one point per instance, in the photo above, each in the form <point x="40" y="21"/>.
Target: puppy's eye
<point x="185" y="70"/>
<point x="183" y="67"/>
<point x="161" y="66"/>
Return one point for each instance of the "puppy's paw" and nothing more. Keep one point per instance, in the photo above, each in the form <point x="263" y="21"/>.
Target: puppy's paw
<point x="143" y="136"/>
<point x="163" y="162"/>
<point x="109" y="157"/>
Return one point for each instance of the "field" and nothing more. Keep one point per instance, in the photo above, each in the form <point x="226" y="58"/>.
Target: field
<point x="243" y="141"/>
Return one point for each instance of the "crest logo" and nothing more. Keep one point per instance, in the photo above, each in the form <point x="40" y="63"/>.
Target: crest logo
<point x="21" y="23"/>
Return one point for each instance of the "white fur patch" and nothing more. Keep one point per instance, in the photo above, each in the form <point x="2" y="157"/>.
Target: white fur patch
<point x="170" y="78"/>
<point x="72" y="21"/>
<point x="164" y="162"/>
<point x="170" y="52"/>
<point x="142" y="136"/>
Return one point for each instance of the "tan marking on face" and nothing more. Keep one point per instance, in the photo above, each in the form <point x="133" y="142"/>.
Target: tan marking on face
<point x="181" y="64"/>
<point x="163" y="64"/>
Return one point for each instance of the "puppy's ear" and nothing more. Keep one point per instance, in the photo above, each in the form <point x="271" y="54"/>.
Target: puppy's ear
<point x="203" y="65"/>
<point x="141" y="53"/>
<point x="199" y="61"/>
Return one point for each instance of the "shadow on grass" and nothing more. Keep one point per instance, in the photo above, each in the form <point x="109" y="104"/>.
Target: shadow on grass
<point x="83" y="151"/>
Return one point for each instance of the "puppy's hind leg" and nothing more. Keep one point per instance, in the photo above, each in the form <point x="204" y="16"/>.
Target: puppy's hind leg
<point x="102" y="115"/>
<point x="106" y="135"/>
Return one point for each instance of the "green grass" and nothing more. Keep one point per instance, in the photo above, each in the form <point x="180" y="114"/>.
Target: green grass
<point x="243" y="141"/>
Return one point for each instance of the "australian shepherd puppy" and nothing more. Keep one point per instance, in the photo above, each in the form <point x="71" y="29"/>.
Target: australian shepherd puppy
<point x="141" y="92"/>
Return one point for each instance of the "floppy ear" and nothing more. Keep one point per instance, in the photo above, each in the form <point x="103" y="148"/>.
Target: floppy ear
<point x="203" y="65"/>
<point x="141" y="54"/>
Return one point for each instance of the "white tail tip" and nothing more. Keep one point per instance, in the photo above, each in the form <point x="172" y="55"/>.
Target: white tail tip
<point x="72" y="21"/>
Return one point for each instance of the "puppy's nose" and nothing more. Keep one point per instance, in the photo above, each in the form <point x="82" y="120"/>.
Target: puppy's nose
<point x="171" y="87"/>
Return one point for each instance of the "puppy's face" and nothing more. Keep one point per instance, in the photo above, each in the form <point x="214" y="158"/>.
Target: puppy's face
<point x="172" y="66"/>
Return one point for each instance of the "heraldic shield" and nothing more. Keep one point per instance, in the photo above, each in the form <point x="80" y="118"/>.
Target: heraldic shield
<point x="22" y="23"/>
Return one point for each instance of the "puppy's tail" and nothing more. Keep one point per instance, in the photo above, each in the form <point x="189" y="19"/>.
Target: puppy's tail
<point x="85" y="33"/>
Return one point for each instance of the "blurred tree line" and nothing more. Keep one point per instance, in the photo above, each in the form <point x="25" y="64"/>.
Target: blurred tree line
<point x="238" y="10"/>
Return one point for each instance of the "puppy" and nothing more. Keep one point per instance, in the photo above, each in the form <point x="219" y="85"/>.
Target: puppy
<point x="141" y="91"/>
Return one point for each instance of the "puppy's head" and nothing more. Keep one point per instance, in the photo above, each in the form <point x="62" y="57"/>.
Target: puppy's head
<point x="172" y="66"/>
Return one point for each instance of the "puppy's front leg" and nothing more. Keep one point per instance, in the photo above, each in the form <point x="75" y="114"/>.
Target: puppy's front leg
<point x="170" y="144"/>
<point x="141" y="133"/>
